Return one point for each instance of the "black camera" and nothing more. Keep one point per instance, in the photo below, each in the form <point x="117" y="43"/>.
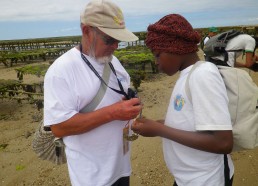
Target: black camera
<point x="131" y="94"/>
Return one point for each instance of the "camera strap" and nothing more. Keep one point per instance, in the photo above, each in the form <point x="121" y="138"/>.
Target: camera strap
<point x="121" y="91"/>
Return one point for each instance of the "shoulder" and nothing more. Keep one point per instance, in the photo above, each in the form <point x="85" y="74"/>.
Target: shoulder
<point x="115" y="60"/>
<point x="243" y="38"/>
<point x="206" y="80"/>
<point x="206" y="68"/>
<point x="242" y="41"/>
<point x="206" y="74"/>
<point x="64" y="63"/>
<point x="117" y="65"/>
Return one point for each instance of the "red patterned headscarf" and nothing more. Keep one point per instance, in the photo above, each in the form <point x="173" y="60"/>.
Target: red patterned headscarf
<point x="172" y="34"/>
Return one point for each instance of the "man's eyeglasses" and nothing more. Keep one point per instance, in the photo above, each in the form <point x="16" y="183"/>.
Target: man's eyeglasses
<point x="106" y="39"/>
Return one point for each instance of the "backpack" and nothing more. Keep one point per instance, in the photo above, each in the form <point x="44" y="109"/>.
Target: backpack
<point x="216" y="45"/>
<point x="243" y="105"/>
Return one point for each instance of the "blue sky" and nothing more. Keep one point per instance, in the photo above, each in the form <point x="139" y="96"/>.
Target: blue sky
<point x="24" y="19"/>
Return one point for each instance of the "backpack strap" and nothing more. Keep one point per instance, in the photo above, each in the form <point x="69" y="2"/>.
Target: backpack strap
<point x="226" y="171"/>
<point x="101" y="92"/>
<point x="188" y="93"/>
<point x="187" y="87"/>
<point x="238" y="50"/>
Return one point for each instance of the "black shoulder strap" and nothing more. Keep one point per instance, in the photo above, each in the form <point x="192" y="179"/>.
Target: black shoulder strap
<point x="226" y="171"/>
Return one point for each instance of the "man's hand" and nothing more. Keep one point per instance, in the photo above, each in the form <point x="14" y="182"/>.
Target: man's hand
<point x="126" y="109"/>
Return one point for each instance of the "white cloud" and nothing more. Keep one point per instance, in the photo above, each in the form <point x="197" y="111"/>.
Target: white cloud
<point x="53" y="15"/>
<point x="29" y="10"/>
<point x="253" y="19"/>
<point x="69" y="29"/>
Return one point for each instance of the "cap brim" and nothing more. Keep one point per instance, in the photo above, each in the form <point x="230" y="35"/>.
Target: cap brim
<point x="120" y="34"/>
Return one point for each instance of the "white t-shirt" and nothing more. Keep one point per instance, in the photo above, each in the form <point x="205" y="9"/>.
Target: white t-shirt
<point x="208" y="112"/>
<point x="204" y="42"/>
<point x="94" y="158"/>
<point x="243" y="42"/>
<point x="206" y="39"/>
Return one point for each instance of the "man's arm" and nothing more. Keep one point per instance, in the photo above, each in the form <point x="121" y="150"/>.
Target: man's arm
<point x="84" y="122"/>
<point x="249" y="61"/>
<point x="256" y="58"/>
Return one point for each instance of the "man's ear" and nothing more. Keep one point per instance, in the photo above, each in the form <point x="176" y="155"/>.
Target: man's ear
<point x="85" y="29"/>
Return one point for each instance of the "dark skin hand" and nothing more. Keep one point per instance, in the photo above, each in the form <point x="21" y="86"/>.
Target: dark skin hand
<point x="220" y="142"/>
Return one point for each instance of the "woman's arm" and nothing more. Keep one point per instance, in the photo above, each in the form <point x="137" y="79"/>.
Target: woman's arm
<point x="211" y="141"/>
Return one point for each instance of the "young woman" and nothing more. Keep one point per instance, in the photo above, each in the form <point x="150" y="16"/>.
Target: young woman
<point x="197" y="131"/>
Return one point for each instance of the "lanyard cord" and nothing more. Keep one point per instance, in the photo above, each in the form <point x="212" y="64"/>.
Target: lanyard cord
<point x="121" y="91"/>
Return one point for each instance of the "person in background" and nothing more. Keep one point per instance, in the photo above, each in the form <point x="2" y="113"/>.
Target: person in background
<point x="242" y="44"/>
<point x="94" y="145"/>
<point x="212" y="32"/>
<point x="197" y="131"/>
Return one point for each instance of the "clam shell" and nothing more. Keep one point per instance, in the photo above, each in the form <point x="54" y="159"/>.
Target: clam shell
<point x="44" y="145"/>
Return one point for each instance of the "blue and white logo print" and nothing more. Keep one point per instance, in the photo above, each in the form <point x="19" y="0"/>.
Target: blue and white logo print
<point x="179" y="102"/>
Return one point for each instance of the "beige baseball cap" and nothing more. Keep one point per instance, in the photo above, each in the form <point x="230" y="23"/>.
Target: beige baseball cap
<point x="109" y="18"/>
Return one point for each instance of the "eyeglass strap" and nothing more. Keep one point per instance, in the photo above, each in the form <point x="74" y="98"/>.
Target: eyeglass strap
<point x="121" y="91"/>
<point x="119" y="82"/>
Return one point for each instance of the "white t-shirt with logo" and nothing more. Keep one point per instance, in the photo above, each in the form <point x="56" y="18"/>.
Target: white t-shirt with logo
<point x="94" y="158"/>
<point x="208" y="112"/>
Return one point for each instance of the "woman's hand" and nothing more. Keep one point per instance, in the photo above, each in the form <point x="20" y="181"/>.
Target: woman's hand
<point x="146" y="127"/>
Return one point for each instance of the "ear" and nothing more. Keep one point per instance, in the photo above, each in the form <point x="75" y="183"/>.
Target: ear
<point x="85" y="29"/>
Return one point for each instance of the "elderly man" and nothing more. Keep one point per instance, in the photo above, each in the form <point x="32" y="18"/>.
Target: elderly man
<point x="96" y="152"/>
